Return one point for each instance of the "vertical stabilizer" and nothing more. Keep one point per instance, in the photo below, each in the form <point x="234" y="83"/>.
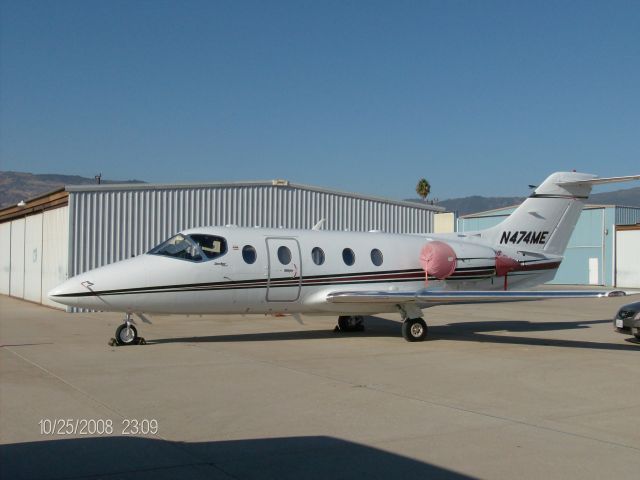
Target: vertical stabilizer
<point x="545" y="221"/>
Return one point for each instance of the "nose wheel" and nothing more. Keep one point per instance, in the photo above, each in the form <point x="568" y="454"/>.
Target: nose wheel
<point x="127" y="334"/>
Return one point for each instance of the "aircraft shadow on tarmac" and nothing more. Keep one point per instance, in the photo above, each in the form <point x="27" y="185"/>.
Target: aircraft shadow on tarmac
<point x="124" y="457"/>
<point x="460" y="331"/>
<point x="478" y="332"/>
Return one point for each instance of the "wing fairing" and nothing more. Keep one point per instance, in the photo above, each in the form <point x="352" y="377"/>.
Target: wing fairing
<point x="440" y="296"/>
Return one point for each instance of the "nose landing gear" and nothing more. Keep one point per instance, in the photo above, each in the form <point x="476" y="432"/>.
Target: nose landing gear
<point x="127" y="334"/>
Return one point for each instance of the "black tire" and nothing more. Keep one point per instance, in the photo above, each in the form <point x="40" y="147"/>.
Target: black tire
<point x="124" y="336"/>
<point x="359" y="324"/>
<point x="414" y="329"/>
<point x="637" y="335"/>
<point x="350" y="323"/>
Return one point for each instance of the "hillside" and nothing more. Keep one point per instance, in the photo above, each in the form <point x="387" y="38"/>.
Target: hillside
<point x="17" y="186"/>
<point x="629" y="197"/>
<point x="477" y="203"/>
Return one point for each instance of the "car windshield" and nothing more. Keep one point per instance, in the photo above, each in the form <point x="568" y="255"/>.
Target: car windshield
<point x="195" y="247"/>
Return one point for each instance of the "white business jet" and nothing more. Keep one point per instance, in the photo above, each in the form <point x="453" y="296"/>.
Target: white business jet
<point x="231" y="270"/>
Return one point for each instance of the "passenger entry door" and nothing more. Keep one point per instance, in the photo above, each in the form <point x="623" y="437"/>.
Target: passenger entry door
<point x="285" y="271"/>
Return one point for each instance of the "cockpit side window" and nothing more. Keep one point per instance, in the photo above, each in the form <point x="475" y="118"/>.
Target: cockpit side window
<point x="195" y="248"/>
<point x="211" y="246"/>
<point x="179" y="246"/>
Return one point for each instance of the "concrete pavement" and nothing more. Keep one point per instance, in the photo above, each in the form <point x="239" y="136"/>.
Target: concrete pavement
<point x="518" y="390"/>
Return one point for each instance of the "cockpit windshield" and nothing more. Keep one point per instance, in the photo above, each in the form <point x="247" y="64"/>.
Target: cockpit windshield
<point x="195" y="247"/>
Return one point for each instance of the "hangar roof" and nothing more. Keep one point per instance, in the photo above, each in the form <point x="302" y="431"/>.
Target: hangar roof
<point x="258" y="183"/>
<point x="60" y="197"/>
<point x="46" y="201"/>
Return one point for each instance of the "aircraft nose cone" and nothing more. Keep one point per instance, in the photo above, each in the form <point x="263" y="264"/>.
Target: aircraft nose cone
<point x="64" y="290"/>
<point x="54" y="293"/>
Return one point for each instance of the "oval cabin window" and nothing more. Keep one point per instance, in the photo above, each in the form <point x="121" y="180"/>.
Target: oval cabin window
<point x="249" y="254"/>
<point x="317" y="255"/>
<point x="284" y="255"/>
<point x="376" y="257"/>
<point x="348" y="256"/>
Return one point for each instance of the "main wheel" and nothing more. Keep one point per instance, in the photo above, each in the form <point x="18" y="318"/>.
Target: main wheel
<point x="414" y="329"/>
<point x="351" y="323"/>
<point x="126" y="334"/>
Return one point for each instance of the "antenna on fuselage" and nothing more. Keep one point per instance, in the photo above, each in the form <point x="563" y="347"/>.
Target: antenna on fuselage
<point x="319" y="225"/>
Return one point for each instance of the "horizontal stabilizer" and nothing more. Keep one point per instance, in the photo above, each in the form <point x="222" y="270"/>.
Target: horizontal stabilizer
<point x="601" y="181"/>
<point x="427" y="296"/>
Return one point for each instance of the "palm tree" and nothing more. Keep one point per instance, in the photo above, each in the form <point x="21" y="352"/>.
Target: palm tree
<point x="423" y="188"/>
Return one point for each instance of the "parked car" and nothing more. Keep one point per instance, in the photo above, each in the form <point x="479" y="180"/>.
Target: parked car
<point x="627" y="320"/>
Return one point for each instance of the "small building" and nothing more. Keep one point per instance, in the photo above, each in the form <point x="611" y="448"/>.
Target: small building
<point x="61" y="234"/>
<point x="603" y="250"/>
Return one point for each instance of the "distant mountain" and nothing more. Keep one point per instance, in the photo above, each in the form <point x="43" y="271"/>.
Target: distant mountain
<point x="17" y="186"/>
<point x="476" y="203"/>
<point x="629" y="197"/>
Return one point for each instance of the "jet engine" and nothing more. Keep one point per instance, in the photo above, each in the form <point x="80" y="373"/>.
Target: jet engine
<point x="441" y="259"/>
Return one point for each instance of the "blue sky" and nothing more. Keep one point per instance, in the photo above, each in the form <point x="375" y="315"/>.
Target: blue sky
<point x="480" y="97"/>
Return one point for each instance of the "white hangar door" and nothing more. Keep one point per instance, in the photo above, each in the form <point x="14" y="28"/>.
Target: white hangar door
<point x="16" y="278"/>
<point x="628" y="257"/>
<point x="33" y="258"/>
<point x="5" y="257"/>
<point x="284" y="270"/>
<point x="55" y="248"/>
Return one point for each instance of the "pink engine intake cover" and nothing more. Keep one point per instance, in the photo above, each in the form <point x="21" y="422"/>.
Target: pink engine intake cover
<point x="438" y="259"/>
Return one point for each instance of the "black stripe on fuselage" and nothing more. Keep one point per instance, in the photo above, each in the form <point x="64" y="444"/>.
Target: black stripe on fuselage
<point x="233" y="282"/>
<point x="467" y="273"/>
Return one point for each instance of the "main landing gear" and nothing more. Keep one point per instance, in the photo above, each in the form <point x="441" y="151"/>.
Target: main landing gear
<point x="414" y="328"/>
<point x="127" y="333"/>
<point x="350" y="323"/>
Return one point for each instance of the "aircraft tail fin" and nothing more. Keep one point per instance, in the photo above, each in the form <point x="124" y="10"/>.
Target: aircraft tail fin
<point x="544" y="222"/>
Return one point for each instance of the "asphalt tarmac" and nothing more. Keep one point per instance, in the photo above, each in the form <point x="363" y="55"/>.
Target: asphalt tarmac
<point x="521" y="390"/>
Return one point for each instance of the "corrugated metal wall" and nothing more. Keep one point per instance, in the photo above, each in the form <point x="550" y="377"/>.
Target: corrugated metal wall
<point x="627" y="215"/>
<point x="107" y="225"/>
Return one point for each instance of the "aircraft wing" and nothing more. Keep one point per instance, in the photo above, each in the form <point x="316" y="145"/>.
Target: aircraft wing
<point x="440" y="296"/>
